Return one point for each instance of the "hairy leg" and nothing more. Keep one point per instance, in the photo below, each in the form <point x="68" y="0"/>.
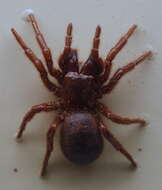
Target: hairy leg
<point x="45" y="49"/>
<point x="49" y="147"/>
<point x="45" y="107"/>
<point x="122" y="71"/>
<point x="37" y="63"/>
<point x="114" y="51"/>
<point x="68" y="61"/>
<point x="118" y="119"/>
<point x="94" y="64"/>
<point x="116" y="144"/>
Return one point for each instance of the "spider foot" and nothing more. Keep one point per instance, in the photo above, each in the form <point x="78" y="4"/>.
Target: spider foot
<point x="133" y="166"/>
<point x="144" y="124"/>
<point x="18" y="139"/>
<point x="43" y="172"/>
<point x="146" y="120"/>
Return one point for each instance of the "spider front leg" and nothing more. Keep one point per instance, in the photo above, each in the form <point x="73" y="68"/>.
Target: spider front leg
<point x="45" y="49"/>
<point x="114" y="51"/>
<point x="46" y="107"/>
<point x="37" y="63"/>
<point x="96" y="42"/>
<point x="118" y="119"/>
<point x="94" y="64"/>
<point x="68" y="61"/>
<point x="68" y="38"/>
<point x="122" y="71"/>
<point x="116" y="144"/>
<point x="49" y="140"/>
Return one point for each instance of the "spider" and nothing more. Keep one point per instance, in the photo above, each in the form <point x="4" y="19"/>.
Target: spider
<point x="78" y="90"/>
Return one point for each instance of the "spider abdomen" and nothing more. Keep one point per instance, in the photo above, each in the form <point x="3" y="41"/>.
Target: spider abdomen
<point x="81" y="140"/>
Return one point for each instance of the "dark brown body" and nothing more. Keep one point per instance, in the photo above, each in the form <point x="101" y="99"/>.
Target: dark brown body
<point x="80" y="88"/>
<point x="81" y="140"/>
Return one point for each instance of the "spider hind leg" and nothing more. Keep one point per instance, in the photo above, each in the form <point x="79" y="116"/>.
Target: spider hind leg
<point x="116" y="144"/>
<point x="49" y="144"/>
<point x="46" y="107"/>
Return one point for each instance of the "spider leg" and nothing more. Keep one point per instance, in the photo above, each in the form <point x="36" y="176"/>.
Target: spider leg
<point x="118" y="119"/>
<point x="96" y="42"/>
<point x="114" y="51"/>
<point x="37" y="63"/>
<point x="116" y="144"/>
<point x="45" y="107"/>
<point x="49" y="139"/>
<point x="94" y="64"/>
<point x="122" y="71"/>
<point x="68" y="61"/>
<point x="68" y="38"/>
<point x="45" y="49"/>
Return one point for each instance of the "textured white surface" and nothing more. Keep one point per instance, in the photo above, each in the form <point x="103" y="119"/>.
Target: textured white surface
<point x="140" y="92"/>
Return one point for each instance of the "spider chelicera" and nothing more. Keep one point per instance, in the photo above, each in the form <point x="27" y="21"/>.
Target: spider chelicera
<point x="78" y="92"/>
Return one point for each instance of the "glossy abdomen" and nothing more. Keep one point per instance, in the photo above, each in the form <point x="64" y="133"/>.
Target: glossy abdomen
<point x="81" y="140"/>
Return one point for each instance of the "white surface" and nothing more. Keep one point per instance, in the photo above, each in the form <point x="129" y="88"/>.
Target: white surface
<point x="140" y="92"/>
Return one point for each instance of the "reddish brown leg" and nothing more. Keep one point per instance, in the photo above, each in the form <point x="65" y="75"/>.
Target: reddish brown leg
<point x="68" y="61"/>
<point x="118" y="119"/>
<point x="45" y="49"/>
<point x="96" y="42"/>
<point x="46" y="107"/>
<point x="122" y="71"/>
<point x="68" y="38"/>
<point x="114" y="51"/>
<point x="94" y="64"/>
<point x="116" y="144"/>
<point x="37" y="63"/>
<point x="49" y="140"/>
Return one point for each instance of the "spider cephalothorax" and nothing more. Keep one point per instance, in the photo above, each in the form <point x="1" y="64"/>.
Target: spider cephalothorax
<point x="80" y="88"/>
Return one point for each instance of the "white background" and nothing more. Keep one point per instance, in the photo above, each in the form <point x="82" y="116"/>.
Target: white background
<point x="138" y="94"/>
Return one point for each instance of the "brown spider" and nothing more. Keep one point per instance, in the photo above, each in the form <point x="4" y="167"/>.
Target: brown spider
<point x="78" y="93"/>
